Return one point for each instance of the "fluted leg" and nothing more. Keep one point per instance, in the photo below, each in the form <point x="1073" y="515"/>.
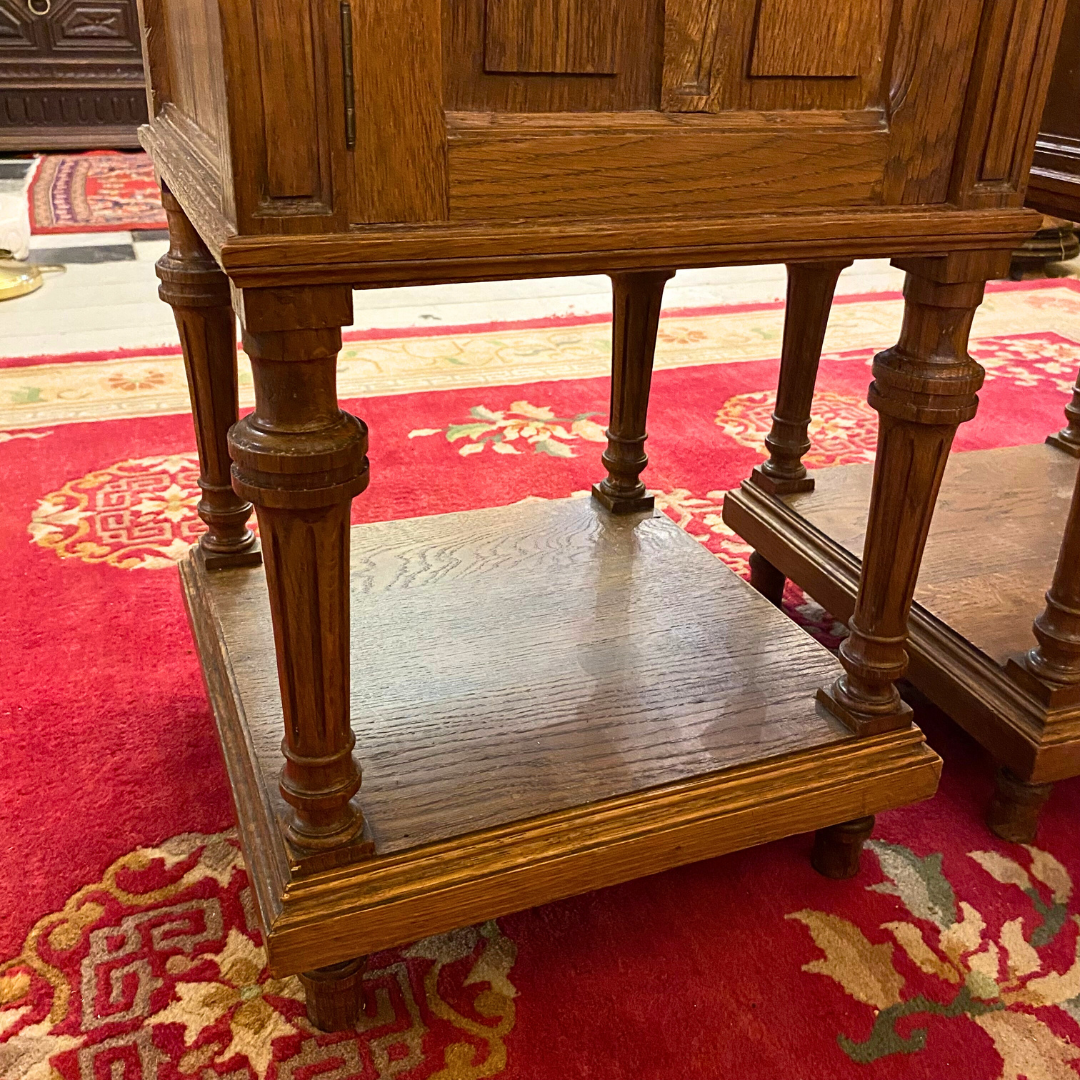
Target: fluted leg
<point x="301" y="460"/>
<point x="334" y="995"/>
<point x="838" y="849"/>
<point x="1068" y="438"/>
<point x="811" y="287"/>
<point x="194" y="286"/>
<point x="637" y="300"/>
<point x="922" y="390"/>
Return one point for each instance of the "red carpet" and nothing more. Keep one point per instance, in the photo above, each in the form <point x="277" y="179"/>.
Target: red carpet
<point x="99" y="191"/>
<point x="128" y="947"/>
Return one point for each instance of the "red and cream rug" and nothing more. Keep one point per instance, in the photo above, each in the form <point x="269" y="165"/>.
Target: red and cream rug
<point x="129" y="948"/>
<point x="98" y="191"/>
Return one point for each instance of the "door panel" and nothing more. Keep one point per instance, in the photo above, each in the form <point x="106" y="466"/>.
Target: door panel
<point x="724" y="55"/>
<point x="578" y="109"/>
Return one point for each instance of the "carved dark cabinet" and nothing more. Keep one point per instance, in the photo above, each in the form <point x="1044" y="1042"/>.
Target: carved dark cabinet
<point x="1055" y="174"/>
<point x="71" y="74"/>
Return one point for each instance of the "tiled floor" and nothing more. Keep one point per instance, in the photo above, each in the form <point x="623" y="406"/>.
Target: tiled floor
<point x="107" y="296"/>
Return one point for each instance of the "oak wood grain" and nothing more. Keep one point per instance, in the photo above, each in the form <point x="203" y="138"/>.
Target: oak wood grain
<point x="1054" y="182"/>
<point x="974" y="603"/>
<point x="681" y="171"/>
<point x="551" y="37"/>
<point x="399" y="165"/>
<point x="795" y="39"/>
<point x="537" y="719"/>
<point x="375" y="257"/>
<point x="536" y="646"/>
<point x="287" y="70"/>
<point x="636" y="63"/>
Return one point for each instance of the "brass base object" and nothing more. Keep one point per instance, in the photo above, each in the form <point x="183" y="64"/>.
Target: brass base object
<point x="17" y="279"/>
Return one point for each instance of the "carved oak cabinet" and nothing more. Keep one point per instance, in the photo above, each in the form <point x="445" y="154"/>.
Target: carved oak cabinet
<point x="308" y="148"/>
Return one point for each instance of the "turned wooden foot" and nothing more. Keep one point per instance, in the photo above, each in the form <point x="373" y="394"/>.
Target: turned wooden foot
<point x="838" y="848"/>
<point x="334" y="995"/>
<point x="811" y="287"/>
<point x="637" y="300"/>
<point x="194" y="286"/>
<point x="1068" y="438"/>
<point x="767" y="579"/>
<point x="1014" y="810"/>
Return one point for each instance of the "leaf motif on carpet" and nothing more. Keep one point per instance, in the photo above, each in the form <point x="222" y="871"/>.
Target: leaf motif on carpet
<point x="158" y="970"/>
<point x="529" y="425"/>
<point x="945" y="962"/>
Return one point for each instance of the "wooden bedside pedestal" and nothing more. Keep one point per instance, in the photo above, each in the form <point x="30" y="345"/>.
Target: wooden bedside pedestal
<point x="316" y="147"/>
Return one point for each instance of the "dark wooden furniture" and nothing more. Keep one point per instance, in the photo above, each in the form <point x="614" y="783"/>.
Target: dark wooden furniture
<point x="1054" y="187"/>
<point x="71" y="74"/>
<point x="641" y="707"/>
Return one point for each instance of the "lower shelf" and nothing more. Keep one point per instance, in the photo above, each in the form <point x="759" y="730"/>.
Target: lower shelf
<point x="988" y="562"/>
<point x="547" y="699"/>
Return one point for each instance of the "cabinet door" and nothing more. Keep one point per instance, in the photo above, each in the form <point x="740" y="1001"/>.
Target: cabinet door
<point x="547" y="110"/>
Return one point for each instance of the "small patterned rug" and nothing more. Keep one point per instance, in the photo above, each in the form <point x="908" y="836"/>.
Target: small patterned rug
<point x="129" y="944"/>
<point x="100" y="191"/>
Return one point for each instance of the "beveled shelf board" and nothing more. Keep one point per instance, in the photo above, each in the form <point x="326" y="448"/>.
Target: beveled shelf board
<point x="989" y="559"/>
<point x="546" y="698"/>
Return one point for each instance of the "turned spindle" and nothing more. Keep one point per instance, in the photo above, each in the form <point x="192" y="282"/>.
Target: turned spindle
<point x="810" y="292"/>
<point x="193" y="285"/>
<point x="637" y="300"/>
<point x="301" y="460"/>
<point x="1068" y="438"/>
<point x="923" y="389"/>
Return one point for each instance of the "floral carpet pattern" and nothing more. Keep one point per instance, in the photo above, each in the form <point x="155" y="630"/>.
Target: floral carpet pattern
<point x="130" y="946"/>
<point x="98" y="191"/>
<point x="989" y="976"/>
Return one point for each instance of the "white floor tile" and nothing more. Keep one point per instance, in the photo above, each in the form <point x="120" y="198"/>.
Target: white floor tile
<point x="115" y="305"/>
<point x="88" y="239"/>
<point x="151" y="250"/>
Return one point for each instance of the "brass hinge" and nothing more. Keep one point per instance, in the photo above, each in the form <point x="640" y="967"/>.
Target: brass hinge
<point x="348" y="83"/>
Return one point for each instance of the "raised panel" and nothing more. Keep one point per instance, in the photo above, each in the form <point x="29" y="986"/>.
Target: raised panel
<point x="690" y="40"/>
<point x="551" y="36"/>
<point x="809" y="39"/>
<point x="195" y="76"/>
<point x="775" y="55"/>
<point x="634" y="30"/>
<point x="14" y="31"/>
<point x="1011" y="77"/>
<point x="83" y="26"/>
<point x="1022" y="46"/>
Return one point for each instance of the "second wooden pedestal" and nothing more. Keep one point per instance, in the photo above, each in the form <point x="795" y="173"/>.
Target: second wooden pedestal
<point x="989" y="559"/>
